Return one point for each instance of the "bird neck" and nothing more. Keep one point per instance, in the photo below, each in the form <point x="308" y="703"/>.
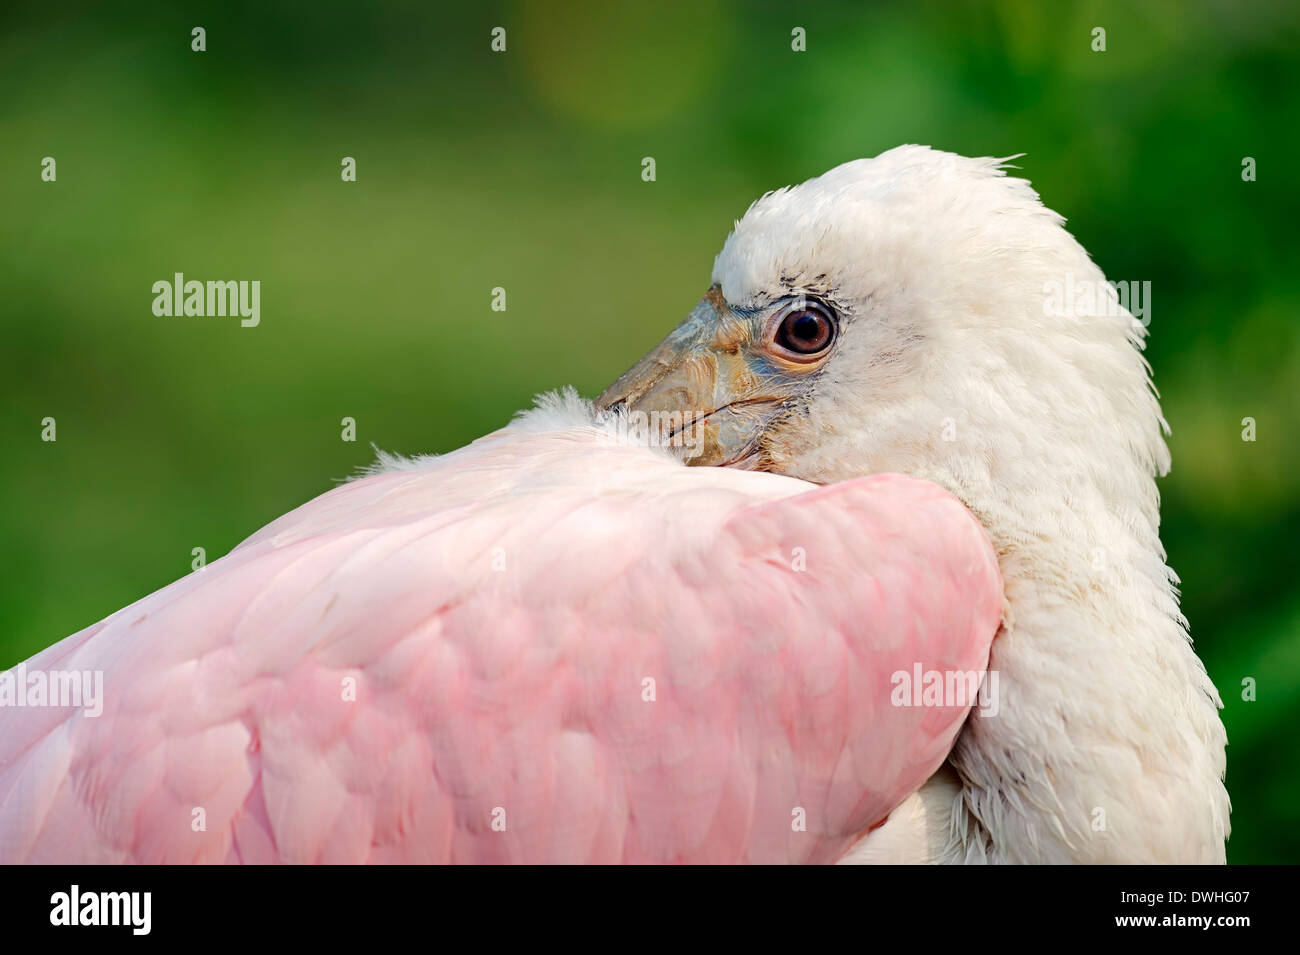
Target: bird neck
<point x="1106" y="745"/>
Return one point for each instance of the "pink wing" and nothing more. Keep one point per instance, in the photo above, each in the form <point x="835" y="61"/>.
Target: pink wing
<point x="542" y="647"/>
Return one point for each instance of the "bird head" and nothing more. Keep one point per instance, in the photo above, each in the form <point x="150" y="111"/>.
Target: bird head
<point x="919" y="312"/>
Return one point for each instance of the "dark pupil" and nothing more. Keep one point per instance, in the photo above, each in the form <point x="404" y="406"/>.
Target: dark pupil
<point x="806" y="329"/>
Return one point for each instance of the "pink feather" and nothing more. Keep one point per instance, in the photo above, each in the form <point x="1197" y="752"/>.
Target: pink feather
<point x="500" y="610"/>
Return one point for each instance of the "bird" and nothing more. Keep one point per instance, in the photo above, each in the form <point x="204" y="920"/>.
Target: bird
<point x="700" y="618"/>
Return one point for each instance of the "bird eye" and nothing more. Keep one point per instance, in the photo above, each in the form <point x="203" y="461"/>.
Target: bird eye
<point x="805" y="331"/>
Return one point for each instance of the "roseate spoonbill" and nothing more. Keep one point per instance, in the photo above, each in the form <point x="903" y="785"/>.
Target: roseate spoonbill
<point x="559" y="643"/>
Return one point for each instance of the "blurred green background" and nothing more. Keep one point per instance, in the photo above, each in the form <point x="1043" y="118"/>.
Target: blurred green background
<point x="522" y="170"/>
